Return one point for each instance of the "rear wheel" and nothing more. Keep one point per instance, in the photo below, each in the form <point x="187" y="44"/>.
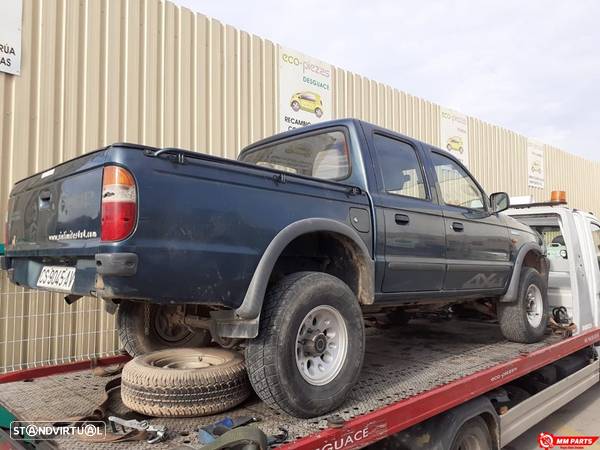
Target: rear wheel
<point x="310" y="346"/>
<point x="318" y="112"/>
<point x="525" y="319"/>
<point x="146" y="327"/>
<point x="472" y="435"/>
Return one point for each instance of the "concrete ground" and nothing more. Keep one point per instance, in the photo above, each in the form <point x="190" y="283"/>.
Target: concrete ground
<point x="579" y="417"/>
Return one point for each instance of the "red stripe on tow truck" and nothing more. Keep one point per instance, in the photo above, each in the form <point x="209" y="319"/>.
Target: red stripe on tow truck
<point x="361" y="431"/>
<point x="45" y="371"/>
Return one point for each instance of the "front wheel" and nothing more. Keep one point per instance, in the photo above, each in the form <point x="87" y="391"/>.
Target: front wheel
<point x="318" y="112"/>
<point x="310" y="346"/>
<point x="147" y="327"/>
<point x="525" y="319"/>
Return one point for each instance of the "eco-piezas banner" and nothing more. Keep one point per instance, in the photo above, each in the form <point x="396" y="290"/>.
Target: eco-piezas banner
<point x="304" y="90"/>
<point x="454" y="134"/>
<point x="535" y="164"/>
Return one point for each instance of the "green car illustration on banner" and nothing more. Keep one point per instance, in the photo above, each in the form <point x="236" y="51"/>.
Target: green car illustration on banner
<point x="455" y="143"/>
<point x="307" y="101"/>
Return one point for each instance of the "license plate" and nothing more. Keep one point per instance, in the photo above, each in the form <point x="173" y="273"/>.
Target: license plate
<point x="57" y="277"/>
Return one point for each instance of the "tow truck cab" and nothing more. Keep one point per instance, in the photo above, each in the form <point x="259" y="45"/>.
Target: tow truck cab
<point x="572" y="239"/>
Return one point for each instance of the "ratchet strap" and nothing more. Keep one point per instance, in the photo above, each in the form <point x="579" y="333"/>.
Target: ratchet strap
<point x="112" y="390"/>
<point x="109" y="437"/>
<point x="106" y="371"/>
<point x="250" y="437"/>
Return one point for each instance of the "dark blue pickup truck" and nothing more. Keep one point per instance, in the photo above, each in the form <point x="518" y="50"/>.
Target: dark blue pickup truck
<point x="283" y="250"/>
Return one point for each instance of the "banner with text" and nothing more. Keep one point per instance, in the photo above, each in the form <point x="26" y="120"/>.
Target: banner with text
<point x="10" y="36"/>
<point x="304" y="90"/>
<point x="535" y="164"/>
<point x="454" y="134"/>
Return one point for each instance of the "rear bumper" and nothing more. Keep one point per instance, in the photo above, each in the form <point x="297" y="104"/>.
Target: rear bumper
<point x="116" y="264"/>
<point x="157" y="275"/>
<point x="93" y="273"/>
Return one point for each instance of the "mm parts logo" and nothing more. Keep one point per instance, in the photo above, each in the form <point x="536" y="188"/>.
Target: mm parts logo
<point x="548" y="440"/>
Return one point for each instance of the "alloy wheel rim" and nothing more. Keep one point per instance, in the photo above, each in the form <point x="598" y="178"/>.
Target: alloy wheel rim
<point x="321" y="345"/>
<point x="535" y="305"/>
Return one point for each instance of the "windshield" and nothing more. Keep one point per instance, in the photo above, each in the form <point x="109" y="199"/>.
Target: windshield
<point x="323" y="155"/>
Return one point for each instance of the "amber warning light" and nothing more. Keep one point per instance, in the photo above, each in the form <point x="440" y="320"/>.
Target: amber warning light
<point x="558" y="197"/>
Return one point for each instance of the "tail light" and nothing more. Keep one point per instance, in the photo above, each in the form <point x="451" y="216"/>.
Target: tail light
<point x="119" y="204"/>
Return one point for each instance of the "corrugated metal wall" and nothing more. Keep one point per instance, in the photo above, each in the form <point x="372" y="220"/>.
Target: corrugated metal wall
<point x="100" y="71"/>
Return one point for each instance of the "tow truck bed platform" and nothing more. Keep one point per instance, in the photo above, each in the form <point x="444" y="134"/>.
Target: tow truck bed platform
<point x="410" y="373"/>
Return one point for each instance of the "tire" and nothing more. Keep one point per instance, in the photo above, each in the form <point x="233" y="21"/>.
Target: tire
<point x="516" y="324"/>
<point x="184" y="382"/>
<point x="318" y="112"/>
<point x="278" y="367"/>
<point x="472" y="435"/>
<point x="131" y="323"/>
<point x="295" y="106"/>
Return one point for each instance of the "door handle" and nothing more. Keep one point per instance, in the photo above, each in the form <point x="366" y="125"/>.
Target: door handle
<point x="457" y="226"/>
<point x="402" y="219"/>
<point x="45" y="196"/>
<point x="44" y="199"/>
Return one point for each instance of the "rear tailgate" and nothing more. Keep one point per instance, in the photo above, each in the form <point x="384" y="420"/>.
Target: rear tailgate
<point x="53" y="227"/>
<point x="57" y="212"/>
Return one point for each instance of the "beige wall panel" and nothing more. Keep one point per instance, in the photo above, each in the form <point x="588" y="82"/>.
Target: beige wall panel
<point x="96" y="72"/>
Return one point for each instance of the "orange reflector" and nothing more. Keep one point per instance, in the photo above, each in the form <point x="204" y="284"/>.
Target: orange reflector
<point x="558" y="197"/>
<point x="117" y="175"/>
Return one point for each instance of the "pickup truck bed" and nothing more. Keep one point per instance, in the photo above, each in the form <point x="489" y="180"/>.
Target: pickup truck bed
<point x="410" y="374"/>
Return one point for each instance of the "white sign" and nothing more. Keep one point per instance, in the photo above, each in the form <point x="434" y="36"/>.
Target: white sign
<point x="10" y="36"/>
<point x="304" y="90"/>
<point x="454" y="134"/>
<point x="535" y="164"/>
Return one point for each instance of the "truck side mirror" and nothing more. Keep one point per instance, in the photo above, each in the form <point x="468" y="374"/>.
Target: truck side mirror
<point x="499" y="201"/>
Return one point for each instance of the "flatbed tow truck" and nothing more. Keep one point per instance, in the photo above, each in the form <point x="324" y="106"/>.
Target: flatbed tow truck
<point x="431" y="384"/>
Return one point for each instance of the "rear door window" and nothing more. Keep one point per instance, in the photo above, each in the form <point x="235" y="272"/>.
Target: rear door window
<point x="400" y="168"/>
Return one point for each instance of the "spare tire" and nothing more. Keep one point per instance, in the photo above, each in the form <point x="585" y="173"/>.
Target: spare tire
<point x="185" y="382"/>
